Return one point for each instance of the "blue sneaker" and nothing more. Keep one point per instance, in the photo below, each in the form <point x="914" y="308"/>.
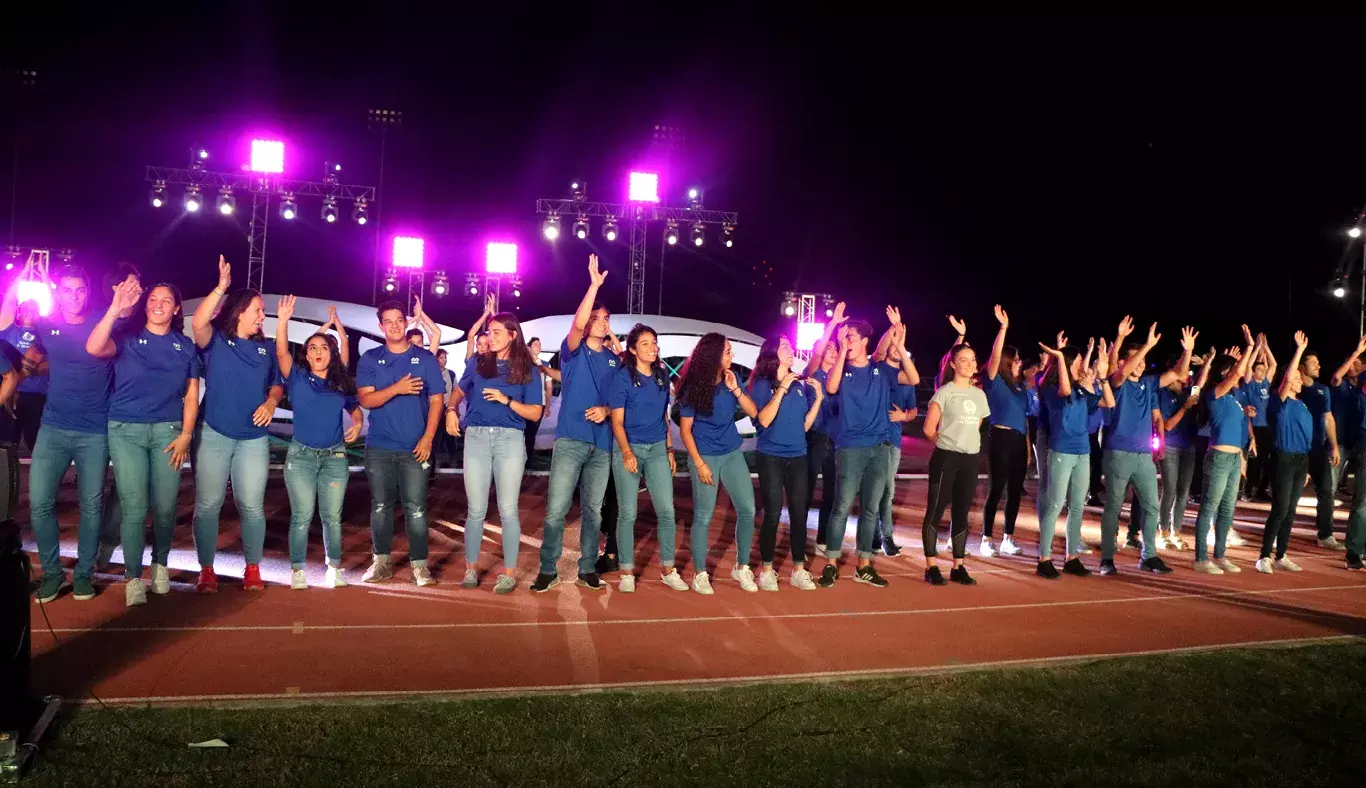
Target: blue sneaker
<point x="82" y="588"/>
<point x="51" y="587"/>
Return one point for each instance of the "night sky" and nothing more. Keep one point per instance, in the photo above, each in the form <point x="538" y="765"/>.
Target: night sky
<point x="1071" y="176"/>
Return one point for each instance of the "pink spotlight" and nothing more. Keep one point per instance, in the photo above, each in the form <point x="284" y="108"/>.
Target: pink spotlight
<point x="267" y="156"/>
<point x="808" y="334"/>
<point x="37" y="292"/>
<point x="408" y="252"/>
<point x="1157" y="443"/>
<point x="643" y="187"/>
<point x="501" y="258"/>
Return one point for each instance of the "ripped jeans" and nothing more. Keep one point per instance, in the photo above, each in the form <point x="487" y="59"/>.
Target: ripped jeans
<point x="394" y="475"/>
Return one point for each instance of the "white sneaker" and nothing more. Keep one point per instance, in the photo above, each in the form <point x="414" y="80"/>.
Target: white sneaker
<point x="1176" y="542"/>
<point x="801" y="579"/>
<point x="1162" y="543"/>
<point x="471" y="578"/>
<point x="161" y="580"/>
<point x="134" y="593"/>
<point x="986" y="550"/>
<point x="298" y="580"/>
<point x="628" y="584"/>
<point x="1087" y="549"/>
<point x="745" y="577"/>
<point x="1264" y="566"/>
<point x="1208" y="567"/>
<point x="333" y="578"/>
<point x="1008" y="546"/>
<point x="1287" y="565"/>
<point x="1234" y="540"/>
<point x="1332" y="543"/>
<point x="820" y="549"/>
<point x="379" y="570"/>
<point x="674" y="580"/>
<point x="505" y="585"/>
<point x="422" y="575"/>
<point x="768" y="580"/>
<point x="1228" y="566"/>
<point x="702" y="584"/>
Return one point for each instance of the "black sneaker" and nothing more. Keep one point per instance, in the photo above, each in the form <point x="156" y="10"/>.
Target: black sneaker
<point x="1095" y="502"/>
<point x="1134" y="542"/>
<point x="959" y="575"/>
<point x="590" y="580"/>
<point x="867" y="574"/>
<point x="934" y="577"/>
<point x="1107" y="567"/>
<point x="1354" y="562"/>
<point x="1046" y="569"/>
<point x="890" y="549"/>
<point x="545" y="582"/>
<point x="1155" y="565"/>
<point x="877" y="543"/>
<point x="1076" y="567"/>
<point x="607" y="563"/>
<point x="828" y="576"/>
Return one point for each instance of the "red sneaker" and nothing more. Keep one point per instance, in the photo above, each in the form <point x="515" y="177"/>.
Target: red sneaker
<point x="208" y="581"/>
<point x="251" y="579"/>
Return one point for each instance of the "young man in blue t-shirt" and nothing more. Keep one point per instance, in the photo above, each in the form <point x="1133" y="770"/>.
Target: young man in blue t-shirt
<point x="401" y="385"/>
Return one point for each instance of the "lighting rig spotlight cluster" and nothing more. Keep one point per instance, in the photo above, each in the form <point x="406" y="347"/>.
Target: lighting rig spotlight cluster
<point x="582" y="211"/>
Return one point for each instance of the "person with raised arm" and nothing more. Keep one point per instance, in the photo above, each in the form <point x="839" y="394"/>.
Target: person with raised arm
<point x="1223" y="463"/>
<point x="582" y="455"/>
<point x="1356" y="521"/>
<point x="1128" y="457"/>
<point x="1324" y="454"/>
<point x="402" y="388"/>
<point x="152" y="415"/>
<point x="477" y="342"/>
<point x="1260" y="468"/>
<point x="639" y="401"/>
<point x="788" y="406"/>
<point x="1041" y="437"/>
<point x="1007" y="392"/>
<point x="242" y="388"/>
<point x="505" y="393"/>
<point x="708" y="396"/>
<point x="1293" y="435"/>
<point x="1346" y="414"/>
<point x="820" y="439"/>
<point x="953" y="424"/>
<point x="1178" y="404"/>
<point x="316" y="467"/>
<point x="903" y="409"/>
<point x="1070" y="393"/>
<point x="863" y="389"/>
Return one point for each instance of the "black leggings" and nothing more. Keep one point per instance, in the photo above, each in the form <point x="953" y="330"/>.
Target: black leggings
<point x="532" y="427"/>
<point x="776" y="475"/>
<point x="1007" y="459"/>
<point x="820" y="459"/>
<point x="1291" y="470"/>
<point x="609" y="516"/>
<point x="953" y="477"/>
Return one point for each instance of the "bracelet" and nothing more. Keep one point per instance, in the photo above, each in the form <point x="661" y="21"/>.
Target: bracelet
<point x="220" y="293"/>
<point x="736" y="392"/>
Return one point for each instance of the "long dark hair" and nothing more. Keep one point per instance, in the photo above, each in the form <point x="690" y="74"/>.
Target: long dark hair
<point x="766" y="366"/>
<point x="1069" y="354"/>
<point x="178" y="319"/>
<point x="519" y="358"/>
<point x="1009" y="355"/>
<point x="698" y="388"/>
<point x="338" y="379"/>
<point x="628" y="356"/>
<point x="238" y="302"/>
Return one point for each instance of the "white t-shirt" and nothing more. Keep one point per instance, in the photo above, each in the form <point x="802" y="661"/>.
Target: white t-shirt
<point x="962" y="409"/>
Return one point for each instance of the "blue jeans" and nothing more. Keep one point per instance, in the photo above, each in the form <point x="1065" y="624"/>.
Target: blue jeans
<point x="1356" y="521"/>
<point x="144" y="478"/>
<point x="1123" y="468"/>
<point x="54" y="451"/>
<point x="315" y="478"/>
<point x="583" y="465"/>
<point x="1069" y="477"/>
<point x="494" y="455"/>
<point x="652" y="462"/>
<point x="732" y="471"/>
<point x="246" y="462"/>
<point x="394" y="475"/>
<point x="859" y="472"/>
<point x="884" y="518"/>
<point x="1223" y="472"/>
<point x="1178" y="466"/>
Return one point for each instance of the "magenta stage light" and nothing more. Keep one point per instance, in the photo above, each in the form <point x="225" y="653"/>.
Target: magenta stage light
<point x="643" y="187"/>
<point x="1157" y="443"/>
<point x="408" y="252"/>
<point x="501" y="258"/>
<point x="808" y="334"/>
<point x="37" y="292"/>
<point x="267" y="156"/>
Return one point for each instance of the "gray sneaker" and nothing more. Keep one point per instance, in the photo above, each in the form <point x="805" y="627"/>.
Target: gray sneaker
<point x="471" y="579"/>
<point x="505" y="584"/>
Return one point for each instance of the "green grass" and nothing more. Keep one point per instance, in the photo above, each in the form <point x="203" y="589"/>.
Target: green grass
<point x="1273" y="717"/>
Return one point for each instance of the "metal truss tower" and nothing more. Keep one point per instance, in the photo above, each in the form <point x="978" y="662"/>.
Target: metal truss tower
<point x="806" y="313"/>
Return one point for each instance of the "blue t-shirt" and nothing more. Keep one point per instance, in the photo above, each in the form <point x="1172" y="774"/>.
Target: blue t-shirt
<point x="1067" y="419"/>
<point x="151" y="373"/>
<point x="1346" y="413"/>
<point x="79" y="384"/>
<point x="1227" y="421"/>
<point x="1319" y="401"/>
<point x="585" y="375"/>
<point x="1294" y="425"/>
<point x="1169" y="402"/>
<point x="644" y="402"/>
<point x="1131" y="424"/>
<point x="715" y="434"/>
<point x="1033" y="398"/>
<point x="238" y="373"/>
<point x="318" y="408"/>
<point x="865" y="397"/>
<point x="487" y="413"/>
<point x="1258" y="396"/>
<point x="902" y="397"/>
<point x="785" y="436"/>
<point x="827" y="418"/>
<point x="399" y="424"/>
<point x="1009" y="404"/>
<point x="21" y="339"/>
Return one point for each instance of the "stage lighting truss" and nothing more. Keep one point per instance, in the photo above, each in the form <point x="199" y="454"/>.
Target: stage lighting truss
<point x="789" y="307"/>
<point x="441" y="284"/>
<point x="158" y="194"/>
<point x="581" y="228"/>
<point x="472" y="285"/>
<point x="226" y="202"/>
<point x="694" y="198"/>
<point x="288" y="207"/>
<point x="288" y="191"/>
<point x="728" y="235"/>
<point x="361" y="213"/>
<point x="671" y="232"/>
<point x="610" y="230"/>
<point x="329" y="213"/>
<point x="194" y="200"/>
<point x="390" y="283"/>
<point x="698" y="234"/>
<point x="828" y="304"/>
<point x="551" y="229"/>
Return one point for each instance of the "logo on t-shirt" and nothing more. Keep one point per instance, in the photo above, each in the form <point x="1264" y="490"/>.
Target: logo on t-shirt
<point x="876" y="371"/>
<point x="56" y="332"/>
<point x="381" y="361"/>
<point x="969" y="407"/>
<point x="611" y="362"/>
<point x="175" y="345"/>
<point x="412" y="360"/>
<point x="260" y="351"/>
<point x="143" y="341"/>
<point x="231" y="343"/>
<point x="27" y="337"/>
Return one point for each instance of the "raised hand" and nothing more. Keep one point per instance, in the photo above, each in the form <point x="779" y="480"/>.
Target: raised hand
<point x="839" y="313"/>
<point x="1001" y="317"/>
<point x="126" y="295"/>
<point x="1153" y="336"/>
<point x="1090" y="345"/>
<point x="488" y="305"/>
<point x="1302" y="341"/>
<point x="1361" y="345"/>
<point x="844" y="340"/>
<point x="1237" y="353"/>
<point x="597" y="277"/>
<point x="1061" y="341"/>
<point x="1126" y="327"/>
<point x="1188" y="337"/>
<point x="1103" y="360"/>
<point x="224" y="274"/>
<point x="893" y="315"/>
<point x="417" y="307"/>
<point x="284" y="308"/>
<point x="1051" y="351"/>
<point x="958" y="325"/>
<point x="1247" y="336"/>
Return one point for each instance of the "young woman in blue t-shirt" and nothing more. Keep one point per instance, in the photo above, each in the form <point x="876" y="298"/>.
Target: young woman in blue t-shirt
<point x="1293" y="437"/>
<point x="1228" y="430"/>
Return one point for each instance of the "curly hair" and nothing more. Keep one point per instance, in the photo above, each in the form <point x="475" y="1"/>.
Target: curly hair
<point x="233" y="307"/>
<point x="338" y="379"/>
<point x="628" y="356"/>
<point x="698" y="388"/>
<point x="519" y="358"/>
<point x="766" y="366"/>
